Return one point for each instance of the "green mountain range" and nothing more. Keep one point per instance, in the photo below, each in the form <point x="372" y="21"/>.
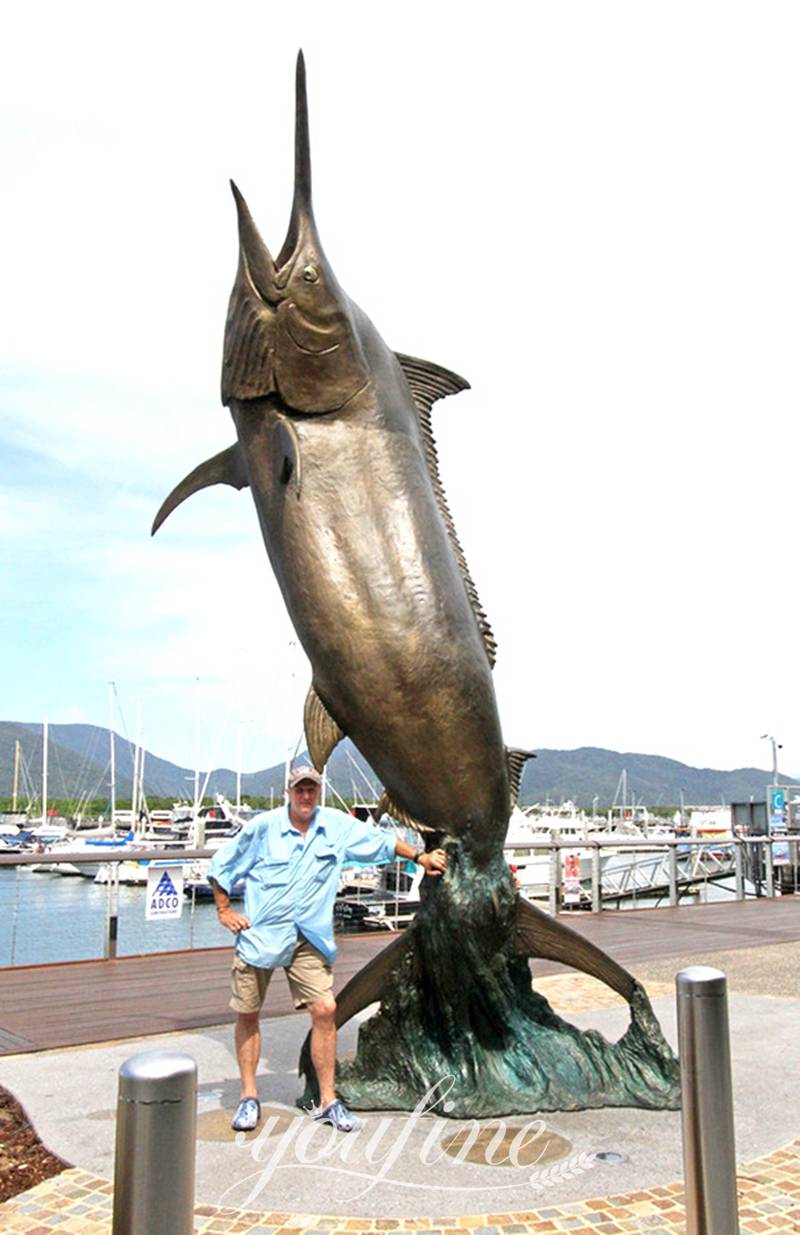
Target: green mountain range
<point x="79" y="763"/>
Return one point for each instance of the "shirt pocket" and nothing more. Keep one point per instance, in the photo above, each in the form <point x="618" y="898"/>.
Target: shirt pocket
<point x="272" y="873"/>
<point x="324" y="865"/>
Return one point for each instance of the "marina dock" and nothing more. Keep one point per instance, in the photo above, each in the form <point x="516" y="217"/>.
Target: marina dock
<point x="245" y="1187"/>
<point x="44" y="1007"/>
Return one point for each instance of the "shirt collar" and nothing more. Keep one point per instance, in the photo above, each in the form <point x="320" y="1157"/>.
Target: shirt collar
<point x="317" y="823"/>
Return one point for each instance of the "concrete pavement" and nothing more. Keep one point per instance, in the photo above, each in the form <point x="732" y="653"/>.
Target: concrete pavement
<point x="396" y="1167"/>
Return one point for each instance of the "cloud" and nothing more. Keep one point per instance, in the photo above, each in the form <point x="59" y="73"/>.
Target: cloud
<point x="589" y="214"/>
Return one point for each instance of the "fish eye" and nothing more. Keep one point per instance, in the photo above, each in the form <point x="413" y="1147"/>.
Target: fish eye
<point x="310" y="274"/>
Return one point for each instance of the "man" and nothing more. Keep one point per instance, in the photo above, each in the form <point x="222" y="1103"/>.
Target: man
<point x="290" y="859"/>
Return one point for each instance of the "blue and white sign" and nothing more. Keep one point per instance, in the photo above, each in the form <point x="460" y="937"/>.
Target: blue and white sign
<point x="777" y="806"/>
<point x="164" y="893"/>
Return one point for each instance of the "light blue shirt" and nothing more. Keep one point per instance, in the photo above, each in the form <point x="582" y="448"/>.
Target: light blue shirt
<point x="291" y="882"/>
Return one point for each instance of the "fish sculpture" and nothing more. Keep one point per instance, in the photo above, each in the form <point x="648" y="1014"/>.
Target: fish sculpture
<point x="334" y="440"/>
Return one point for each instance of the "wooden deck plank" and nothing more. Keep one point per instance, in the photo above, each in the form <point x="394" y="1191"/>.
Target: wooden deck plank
<point x="48" y="1006"/>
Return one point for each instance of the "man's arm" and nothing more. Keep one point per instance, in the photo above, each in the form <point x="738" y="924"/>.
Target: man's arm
<point x="226" y="913"/>
<point x="433" y="863"/>
<point x="228" y="864"/>
<point x="366" y="843"/>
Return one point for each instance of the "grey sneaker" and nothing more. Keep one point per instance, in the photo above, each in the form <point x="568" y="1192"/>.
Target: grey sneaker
<point x="248" y="1113"/>
<point x="339" y="1117"/>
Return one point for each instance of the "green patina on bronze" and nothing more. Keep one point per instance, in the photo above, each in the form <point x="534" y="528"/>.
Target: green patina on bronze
<point x="335" y="441"/>
<point x="460" y="1020"/>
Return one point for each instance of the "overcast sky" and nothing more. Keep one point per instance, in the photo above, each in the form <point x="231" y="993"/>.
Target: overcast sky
<point x="590" y="210"/>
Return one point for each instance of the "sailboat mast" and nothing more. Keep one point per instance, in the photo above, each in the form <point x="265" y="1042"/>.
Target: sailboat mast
<point x="239" y="770"/>
<point x="16" y="777"/>
<point x="142" y="798"/>
<point x="113" y="751"/>
<point x="196" y="747"/>
<point x="134" y="798"/>
<point x="44" y="771"/>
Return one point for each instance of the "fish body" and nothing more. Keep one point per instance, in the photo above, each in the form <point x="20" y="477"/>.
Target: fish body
<point x="368" y="575"/>
<point x="334" y="441"/>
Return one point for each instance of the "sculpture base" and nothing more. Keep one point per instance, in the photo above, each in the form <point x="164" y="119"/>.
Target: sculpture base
<point x="459" y="1021"/>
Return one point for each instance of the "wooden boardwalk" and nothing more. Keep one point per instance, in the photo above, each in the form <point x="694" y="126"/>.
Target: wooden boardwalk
<point x="48" y="1006"/>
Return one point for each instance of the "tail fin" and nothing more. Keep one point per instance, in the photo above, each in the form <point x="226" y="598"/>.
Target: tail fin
<point x="537" y="934"/>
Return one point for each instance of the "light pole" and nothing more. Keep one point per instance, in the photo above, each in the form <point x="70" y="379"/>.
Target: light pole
<point x="776" y="746"/>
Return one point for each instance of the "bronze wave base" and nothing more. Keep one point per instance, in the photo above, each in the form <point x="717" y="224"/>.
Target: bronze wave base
<point x="460" y="1025"/>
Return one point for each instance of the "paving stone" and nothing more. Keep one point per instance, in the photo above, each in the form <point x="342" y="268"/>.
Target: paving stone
<point x="76" y="1203"/>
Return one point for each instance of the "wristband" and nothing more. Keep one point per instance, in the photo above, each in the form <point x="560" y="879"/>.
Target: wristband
<point x="418" y="855"/>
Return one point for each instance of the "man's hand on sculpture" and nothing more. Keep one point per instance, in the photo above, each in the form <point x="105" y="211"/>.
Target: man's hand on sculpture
<point x="434" y="863"/>
<point x="234" y="921"/>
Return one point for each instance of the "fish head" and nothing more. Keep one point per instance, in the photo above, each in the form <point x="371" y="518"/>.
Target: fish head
<point x="290" y="329"/>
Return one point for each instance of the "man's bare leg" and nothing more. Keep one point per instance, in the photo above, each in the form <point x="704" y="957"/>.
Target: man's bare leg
<point x="247" y="1037"/>
<point x="323" y="1046"/>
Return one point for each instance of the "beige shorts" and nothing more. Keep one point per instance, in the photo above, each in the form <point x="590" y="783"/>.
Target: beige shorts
<point x="309" y="975"/>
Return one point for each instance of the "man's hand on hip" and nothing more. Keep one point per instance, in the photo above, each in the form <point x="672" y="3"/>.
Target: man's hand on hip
<point x="233" y="920"/>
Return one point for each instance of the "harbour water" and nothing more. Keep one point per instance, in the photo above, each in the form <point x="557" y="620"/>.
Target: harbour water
<point x="48" y="917"/>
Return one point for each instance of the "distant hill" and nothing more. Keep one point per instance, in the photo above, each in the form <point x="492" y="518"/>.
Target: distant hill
<point x="79" y="767"/>
<point x="79" y="763"/>
<point x="591" y="772"/>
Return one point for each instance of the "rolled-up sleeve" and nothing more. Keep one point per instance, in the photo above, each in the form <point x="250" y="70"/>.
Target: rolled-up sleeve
<point x="366" y="843"/>
<point x="234" y="859"/>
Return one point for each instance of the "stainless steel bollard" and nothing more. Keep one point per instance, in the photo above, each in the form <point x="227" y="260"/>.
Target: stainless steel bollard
<point x="155" y="1148"/>
<point x="597" y="880"/>
<point x="672" y="874"/>
<point x="554" y="891"/>
<point x="709" y="1150"/>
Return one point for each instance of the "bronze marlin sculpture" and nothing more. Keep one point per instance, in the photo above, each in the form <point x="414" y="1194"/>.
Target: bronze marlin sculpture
<point x="334" y="440"/>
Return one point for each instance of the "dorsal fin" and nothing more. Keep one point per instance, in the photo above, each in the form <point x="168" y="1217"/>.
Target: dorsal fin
<point x="515" y="763"/>
<point x="428" y="383"/>
<point x="322" y="731"/>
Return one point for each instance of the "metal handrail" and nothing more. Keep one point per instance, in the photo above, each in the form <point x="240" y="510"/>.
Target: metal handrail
<point x="665" y="842"/>
<point x="675" y="850"/>
<point x="105" y="853"/>
<point x="128" y="853"/>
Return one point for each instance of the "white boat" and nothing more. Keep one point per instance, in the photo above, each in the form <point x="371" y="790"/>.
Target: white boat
<point x="81" y="844"/>
<point x="387" y="908"/>
<point x="221" y="819"/>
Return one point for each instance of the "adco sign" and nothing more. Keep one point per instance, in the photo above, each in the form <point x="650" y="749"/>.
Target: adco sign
<point x="164" y="893"/>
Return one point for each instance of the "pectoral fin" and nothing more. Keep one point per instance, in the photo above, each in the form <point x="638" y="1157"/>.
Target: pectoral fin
<point x="387" y="806"/>
<point x="322" y="731"/>
<point x="537" y="934"/>
<point x="226" y="468"/>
